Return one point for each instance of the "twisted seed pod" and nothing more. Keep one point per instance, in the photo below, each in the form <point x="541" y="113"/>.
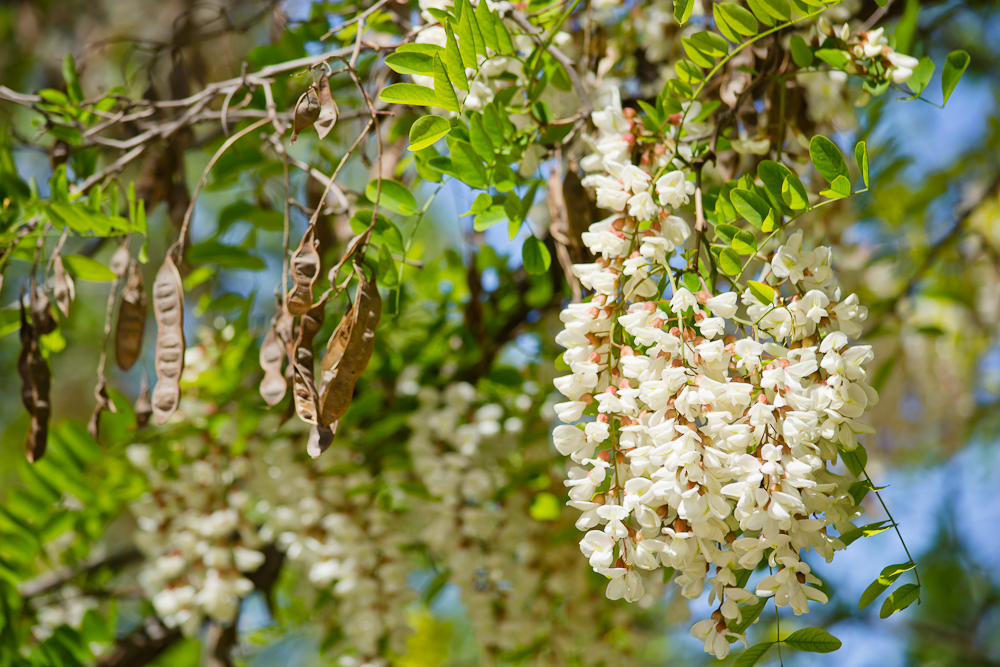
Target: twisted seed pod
<point x="41" y="314"/>
<point x="303" y="379"/>
<point x="305" y="269"/>
<point x="39" y="379"/>
<point x="338" y="383"/>
<point x="168" y="307"/>
<point x="272" y="352"/>
<point x="338" y="341"/>
<point x="320" y="437"/>
<point x="27" y="335"/>
<point x="131" y="320"/>
<point x="63" y="287"/>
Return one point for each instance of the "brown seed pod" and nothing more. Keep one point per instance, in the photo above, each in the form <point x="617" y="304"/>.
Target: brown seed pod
<point x="272" y="352"/>
<point x="328" y="111"/>
<point x="120" y="261"/>
<point x="63" y="287"/>
<point x="316" y="107"/>
<point x="303" y="379"/>
<point x="338" y="385"/>
<point x="131" y="320"/>
<point x="338" y="341"/>
<point x="41" y="314"/>
<point x="103" y="403"/>
<point x="36" y="381"/>
<point x="320" y="437"/>
<point x="143" y="407"/>
<point x="168" y="307"/>
<point x="305" y="269"/>
<point x="27" y="335"/>
<point x="306" y="112"/>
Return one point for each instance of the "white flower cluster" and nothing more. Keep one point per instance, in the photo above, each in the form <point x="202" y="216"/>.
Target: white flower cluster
<point x="196" y="536"/>
<point x="521" y="590"/>
<point x="871" y="48"/>
<point x="333" y="531"/>
<point x="707" y="450"/>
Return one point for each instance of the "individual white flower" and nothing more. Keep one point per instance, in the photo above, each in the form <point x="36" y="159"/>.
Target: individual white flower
<point x="674" y="189"/>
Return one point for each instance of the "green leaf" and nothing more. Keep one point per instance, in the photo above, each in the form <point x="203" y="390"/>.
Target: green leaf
<point x="85" y="268"/>
<point x="827" y="159"/>
<point x="546" y="506"/>
<point x="408" y="62"/>
<point x="427" y="130"/>
<point x="839" y="189"/>
<point x="387" y="272"/>
<point x="487" y="26"/>
<point x="794" y="194"/>
<point x="730" y="262"/>
<point x="453" y="60"/>
<point x="750" y="206"/>
<point x="503" y="37"/>
<point x="855" y="460"/>
<point x="900" y="599"/>
<point x="446" y="98"/>
<point x="73" y="90"/>
<point x="697" y="55"/>
<point x="763" y="293"/>
<point x="954" y="67"/>
<point x="480" y="138"/>
<point x="779" y="9"/>
<point x="482" y="202"/>
<point x="921" y="76"/>
<point x="726" y="232"/>
<point x="413" y="47"/>
<point x="750" y="614"/>
<point x="466" y="42"/>
<point x="869" y="530"/>
<point x="885" y="579"/>
<point x="739" y="20"/>
<point x="745" y="243"/>
<point x="762" y="14"/>
<point x="750" y="656"/>
<point x="682" y="10"/>
<point x="504" y="179"/>
<point x="535" y="256"/>
<point x="467" y="165"/>
<point x="723" y="25"/>
<point x="409" y="93"/>
<point x="835" y="58"/>
<point x="394" y="196"/>
<point x="801" y="53"/>
<point x="861" y="156"/>
<point x="489" y="217"/>
<point x="688" y="72"/>
<point x="813" y="640"/>
<point x="710" y="43"/>
<point x="477" y="35"/>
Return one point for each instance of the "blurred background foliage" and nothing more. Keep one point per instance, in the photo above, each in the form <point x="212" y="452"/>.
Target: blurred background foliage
<point x="922" y="248"/>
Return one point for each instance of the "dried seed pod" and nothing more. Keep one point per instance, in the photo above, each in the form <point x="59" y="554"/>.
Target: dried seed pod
<point x="303" y="379"/>
<point x="305" y="269"/>
<point x="143" y="407"/>
<point x="328" y="111"/>
<point x="338" y="341"/>
<point x="103" y="403"/>
<point x="320" y="437"/>
<point x="306" y="112"/>
<point x="272" y="352"/>
<point x="120" y="261"/>
<point x="27" y="335"/>
<point x="131" y="320"/>
<point x="41" y="314"/>
<point x="338" y="385"/>
<point x="168" y="308"/>
<point x="36" y="379"/>
<point x="63" y="287"/>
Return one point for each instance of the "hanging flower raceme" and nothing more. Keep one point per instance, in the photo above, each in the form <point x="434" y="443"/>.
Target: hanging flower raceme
<point x="708" y="453"/>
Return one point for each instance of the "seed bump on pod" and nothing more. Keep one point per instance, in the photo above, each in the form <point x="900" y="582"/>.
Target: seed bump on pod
<point x="168" y="308"/>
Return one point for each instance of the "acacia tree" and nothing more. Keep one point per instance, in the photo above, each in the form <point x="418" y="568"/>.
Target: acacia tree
<point x="674" y="192"/>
